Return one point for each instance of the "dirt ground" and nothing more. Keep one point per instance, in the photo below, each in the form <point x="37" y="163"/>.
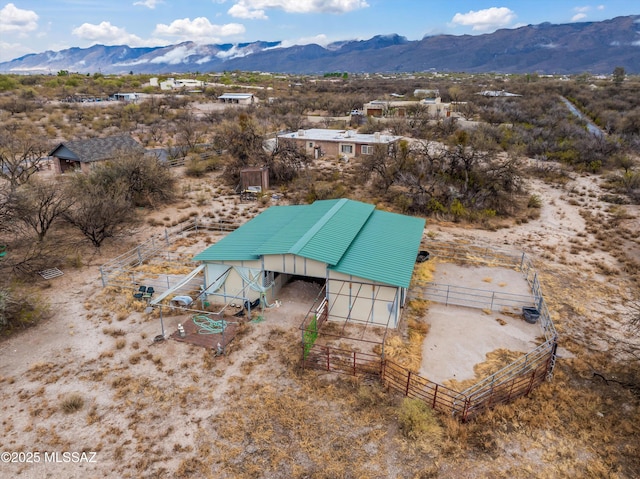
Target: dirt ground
<point x="170" y="409"/>
<point x="460" y="337"/>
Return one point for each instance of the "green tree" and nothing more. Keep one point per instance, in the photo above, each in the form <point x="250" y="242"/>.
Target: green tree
<point x="618" y="75"/>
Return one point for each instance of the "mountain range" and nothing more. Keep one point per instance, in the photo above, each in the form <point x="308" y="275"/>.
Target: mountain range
<point x="595" y="47"/>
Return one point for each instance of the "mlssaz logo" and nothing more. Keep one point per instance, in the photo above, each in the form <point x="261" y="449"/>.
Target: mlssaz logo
<point x="70" y="457"/>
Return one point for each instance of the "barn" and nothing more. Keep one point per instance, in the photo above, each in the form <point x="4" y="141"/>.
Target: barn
<point x="364" y="256"/>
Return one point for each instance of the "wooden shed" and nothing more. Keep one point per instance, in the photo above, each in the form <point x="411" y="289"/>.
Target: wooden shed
<point x="254" y="179"/>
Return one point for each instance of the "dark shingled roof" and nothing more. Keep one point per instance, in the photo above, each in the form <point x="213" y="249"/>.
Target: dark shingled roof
<point x="97" y="149"/>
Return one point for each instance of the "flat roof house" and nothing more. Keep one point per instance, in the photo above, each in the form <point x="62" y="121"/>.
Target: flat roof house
<point x="364" y="256"/>
<point x="238" y="98"/>
<point x="83" y="154"/>
<point x="340" y="143"/>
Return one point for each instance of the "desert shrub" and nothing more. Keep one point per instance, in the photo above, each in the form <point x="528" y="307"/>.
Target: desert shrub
<point x="72" y="403"/>
<point x="535" y="201"/>
<point x="19" y="309"/>
<point x="145" y="181"/>
<point x="418" y="420"/>
<point x="195" y="168"/>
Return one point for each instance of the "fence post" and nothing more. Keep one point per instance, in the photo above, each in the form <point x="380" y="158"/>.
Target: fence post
<point x="533" y="376"/>
<point x="465" y="411"/>
<point x="406" y="391"/>
<point x="104" y="283"/>
<point x="493" y="295"/>
<point x="435" y="395"/>
<point x="139" y="254"/>
<point x="166" y="236"/>
<point x="522" y="261"/>
<point x="446" y="301"/>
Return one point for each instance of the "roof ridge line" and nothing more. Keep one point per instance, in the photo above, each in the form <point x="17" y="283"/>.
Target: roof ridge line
<point x="295" y="249"/>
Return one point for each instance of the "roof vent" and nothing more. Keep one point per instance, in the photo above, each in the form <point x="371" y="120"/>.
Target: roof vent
<point x="300" y="132"/>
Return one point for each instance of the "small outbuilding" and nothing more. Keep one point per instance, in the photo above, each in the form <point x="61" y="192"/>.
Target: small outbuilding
<point x="83" y="154"/>
<point x="254" y="178"/>
<point x="364" y="256"/>
<point x="238" y="98"/>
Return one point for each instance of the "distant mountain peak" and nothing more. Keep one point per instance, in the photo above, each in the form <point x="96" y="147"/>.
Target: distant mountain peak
<point x="597" y="47"/>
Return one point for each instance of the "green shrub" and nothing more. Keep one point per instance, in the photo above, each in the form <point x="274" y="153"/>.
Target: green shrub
<point x="535" y="201"/>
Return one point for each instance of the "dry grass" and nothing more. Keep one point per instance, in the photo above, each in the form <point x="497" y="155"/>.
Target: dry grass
<point x="72" y="403"/>
<point x="495" y="361"/>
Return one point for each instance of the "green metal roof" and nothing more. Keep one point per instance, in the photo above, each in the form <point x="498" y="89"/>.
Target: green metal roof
<point x="385" y="250"/>
<point x="350" y="236"/>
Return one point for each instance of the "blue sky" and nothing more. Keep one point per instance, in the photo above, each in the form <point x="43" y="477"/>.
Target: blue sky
<point x="33" y="26"/>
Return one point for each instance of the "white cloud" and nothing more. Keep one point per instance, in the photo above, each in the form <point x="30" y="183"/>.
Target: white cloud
<point x="240" y="10"/>
<point x="483" y="20"/>
<point x="257" y="7"/>
<point x="11" y="51"/>
<point x="148" y="3"/>
<point x="14" y="19"/>
<point x="107" y="34"/>
<point x="600" y="7"/>
<point x="578" y="16"/>
<point x="175" y="56"/>
<point x="198" y="30"/>
<point x="321" y="40"/>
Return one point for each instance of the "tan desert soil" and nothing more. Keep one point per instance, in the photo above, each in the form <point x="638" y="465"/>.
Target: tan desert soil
<point x="147" y="406"/>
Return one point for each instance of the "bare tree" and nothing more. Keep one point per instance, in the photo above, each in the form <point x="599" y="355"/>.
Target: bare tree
<point x="286" y="162"/>
<point x="22" y="150"/>
<point x="101" y="210"/>
<point x="39" y="204"/>
<point x="189" y="131"/>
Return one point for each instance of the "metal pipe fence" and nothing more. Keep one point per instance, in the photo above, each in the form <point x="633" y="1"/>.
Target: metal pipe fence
<point x="515" y="380"/>
<point x="449" y="294"/>
<point x="120" y="271"/>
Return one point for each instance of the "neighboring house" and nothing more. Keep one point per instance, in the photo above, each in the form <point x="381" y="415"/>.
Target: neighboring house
<point x="238" y="98"/>
<point x="426" y="94"/>
<point x="83" y="154"/>
<point x="364" y="256"/>
<point x="127" y="97"/>
<point x="343" y="143"/>
<point x="180" y="83"/>
<point x="399" y="108"/>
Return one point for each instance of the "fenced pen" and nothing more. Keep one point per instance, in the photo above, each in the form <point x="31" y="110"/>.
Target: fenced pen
<point x="121" y="271"/>
<point x="513" y="381"/>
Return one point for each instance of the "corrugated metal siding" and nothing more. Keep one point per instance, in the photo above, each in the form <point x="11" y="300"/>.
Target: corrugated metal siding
<point x="385" y="250"/>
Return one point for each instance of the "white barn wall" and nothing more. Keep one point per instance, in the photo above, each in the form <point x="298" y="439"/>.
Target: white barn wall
<point x="292" y="264"/>
<point x="233" y="287"/>
<point x="368" y="302"/>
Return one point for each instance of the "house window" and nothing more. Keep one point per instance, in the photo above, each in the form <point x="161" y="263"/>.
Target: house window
<point x="311" y="144"/>
<point x="346" y="149"/>
<point x="367" y="150"/>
